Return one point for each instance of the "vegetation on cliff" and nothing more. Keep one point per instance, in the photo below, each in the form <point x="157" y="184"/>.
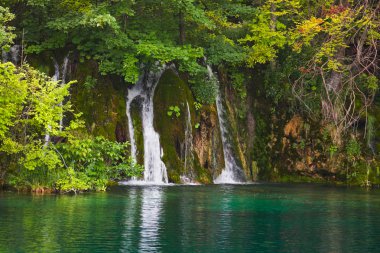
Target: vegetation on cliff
<point x="300" y="79"/>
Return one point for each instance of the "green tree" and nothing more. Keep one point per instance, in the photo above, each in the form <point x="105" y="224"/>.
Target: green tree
<point x="6" y="31"/>
<point x="13" y="91"/>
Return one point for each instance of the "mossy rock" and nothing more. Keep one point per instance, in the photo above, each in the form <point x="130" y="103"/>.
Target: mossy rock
<point x="44" y="61"/>
<point x="208" y="142"/>
<point x="376" y="113"/>
<point x="136" y="110"/>
<point x="202" y="175"/>
<point x="234" y="104"/>
<point x="103" y="106"/>
<point x="172" y="91"/>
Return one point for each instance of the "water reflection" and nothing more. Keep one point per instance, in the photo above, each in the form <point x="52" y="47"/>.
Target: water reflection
<point x="330" y="232"/>
<point x="151" y="209"/>
<point x="193" y="219"/>
<point x="224" y="217"/>
<point x="130" y="221"/>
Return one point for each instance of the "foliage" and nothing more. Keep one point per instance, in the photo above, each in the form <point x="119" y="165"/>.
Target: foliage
<point x="268" y="34"/>
<point x="32" y="106"/>
<point x="353" y="150"/>
<point x="174" y="110"/>
<point x="6" y="31"/>
<point x="238" y="83"/>
<point x="13" y="91"/>
<point x="315" y="58"/>
<point x="205" y="88"/>
<point x="344" y="43"/>
<point x="197" y="106"/>
<point x="332" y="150"/>
<point x="92" y="162"/>
<point x="90" y="82"/>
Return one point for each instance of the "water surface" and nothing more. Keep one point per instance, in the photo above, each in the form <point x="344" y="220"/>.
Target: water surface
<point x="241" y="218"/>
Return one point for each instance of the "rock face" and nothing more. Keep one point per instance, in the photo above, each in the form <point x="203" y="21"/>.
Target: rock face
<point x="208" y="143"/>
<point x="102" y="104"/>
<point x="104" y="108"/>
<point x="172" y="92"/>
<point x="262" y="145"/>
<point x="269" y="142"/>
<point x="207" y="160"/>
<point x="102" y="100"/>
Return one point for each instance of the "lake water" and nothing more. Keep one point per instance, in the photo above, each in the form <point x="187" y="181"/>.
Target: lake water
<point x="242" y="218"/>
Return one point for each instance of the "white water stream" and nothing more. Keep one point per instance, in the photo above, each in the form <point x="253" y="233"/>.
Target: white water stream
<point x="13" y="55"/>
<point x="155" y="169"/>
<point x="187" y="154"/>
<point x="57" y="74"/>
<point x="231" y="169"/>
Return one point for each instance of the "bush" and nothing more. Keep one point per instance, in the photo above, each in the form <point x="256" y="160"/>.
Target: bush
<point x="31" y="107"/>
<point x="205" y="89"/>
<point x="93" y="162"/>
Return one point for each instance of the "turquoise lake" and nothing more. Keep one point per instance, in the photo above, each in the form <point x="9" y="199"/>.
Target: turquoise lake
<point x="218" y="218"/>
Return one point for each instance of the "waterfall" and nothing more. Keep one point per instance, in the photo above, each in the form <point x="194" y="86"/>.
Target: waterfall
<point x="63" y="81"/>
<point x="151" y="219"/>
<point x="131" y="220"/>
<point x="55" y="78"/>
<point x="155" y="169"/>
<point x="188" y="155"/>
<point x="13" y="55"/>
<point x="232" y="173"/>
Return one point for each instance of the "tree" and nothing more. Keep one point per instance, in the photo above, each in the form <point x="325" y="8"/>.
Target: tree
<point x="6" y="31"/>
<point x="344" y="41"/>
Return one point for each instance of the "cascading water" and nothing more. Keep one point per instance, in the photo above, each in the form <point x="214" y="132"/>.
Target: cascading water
<point x="55" y="78"/>
<point x="151" y="216"/>
<point x="232" y="173"/>
<point x="13" y="55"/>
<point x="155" y="169"/>
<point x="187" y="154"/>
<point x="63" y="81"/>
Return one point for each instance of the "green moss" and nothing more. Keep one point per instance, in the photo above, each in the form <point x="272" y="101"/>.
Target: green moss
<point x="374" y="174"/>
<point x="295" y="178"/>
<point x="172" y="91"/>
<point x="260" y="151"/>
<point x="202" y="175"/>
<point x="376" y="115"/>
<point x="138" y="130"/>
<point x="103" y="106"/>
<point x="212" y="147"/>
<point x="237" y="131"/>
<point x="42" y="62"/>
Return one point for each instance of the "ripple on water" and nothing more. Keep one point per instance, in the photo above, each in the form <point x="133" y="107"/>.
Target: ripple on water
<point x="217" y="218"/>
